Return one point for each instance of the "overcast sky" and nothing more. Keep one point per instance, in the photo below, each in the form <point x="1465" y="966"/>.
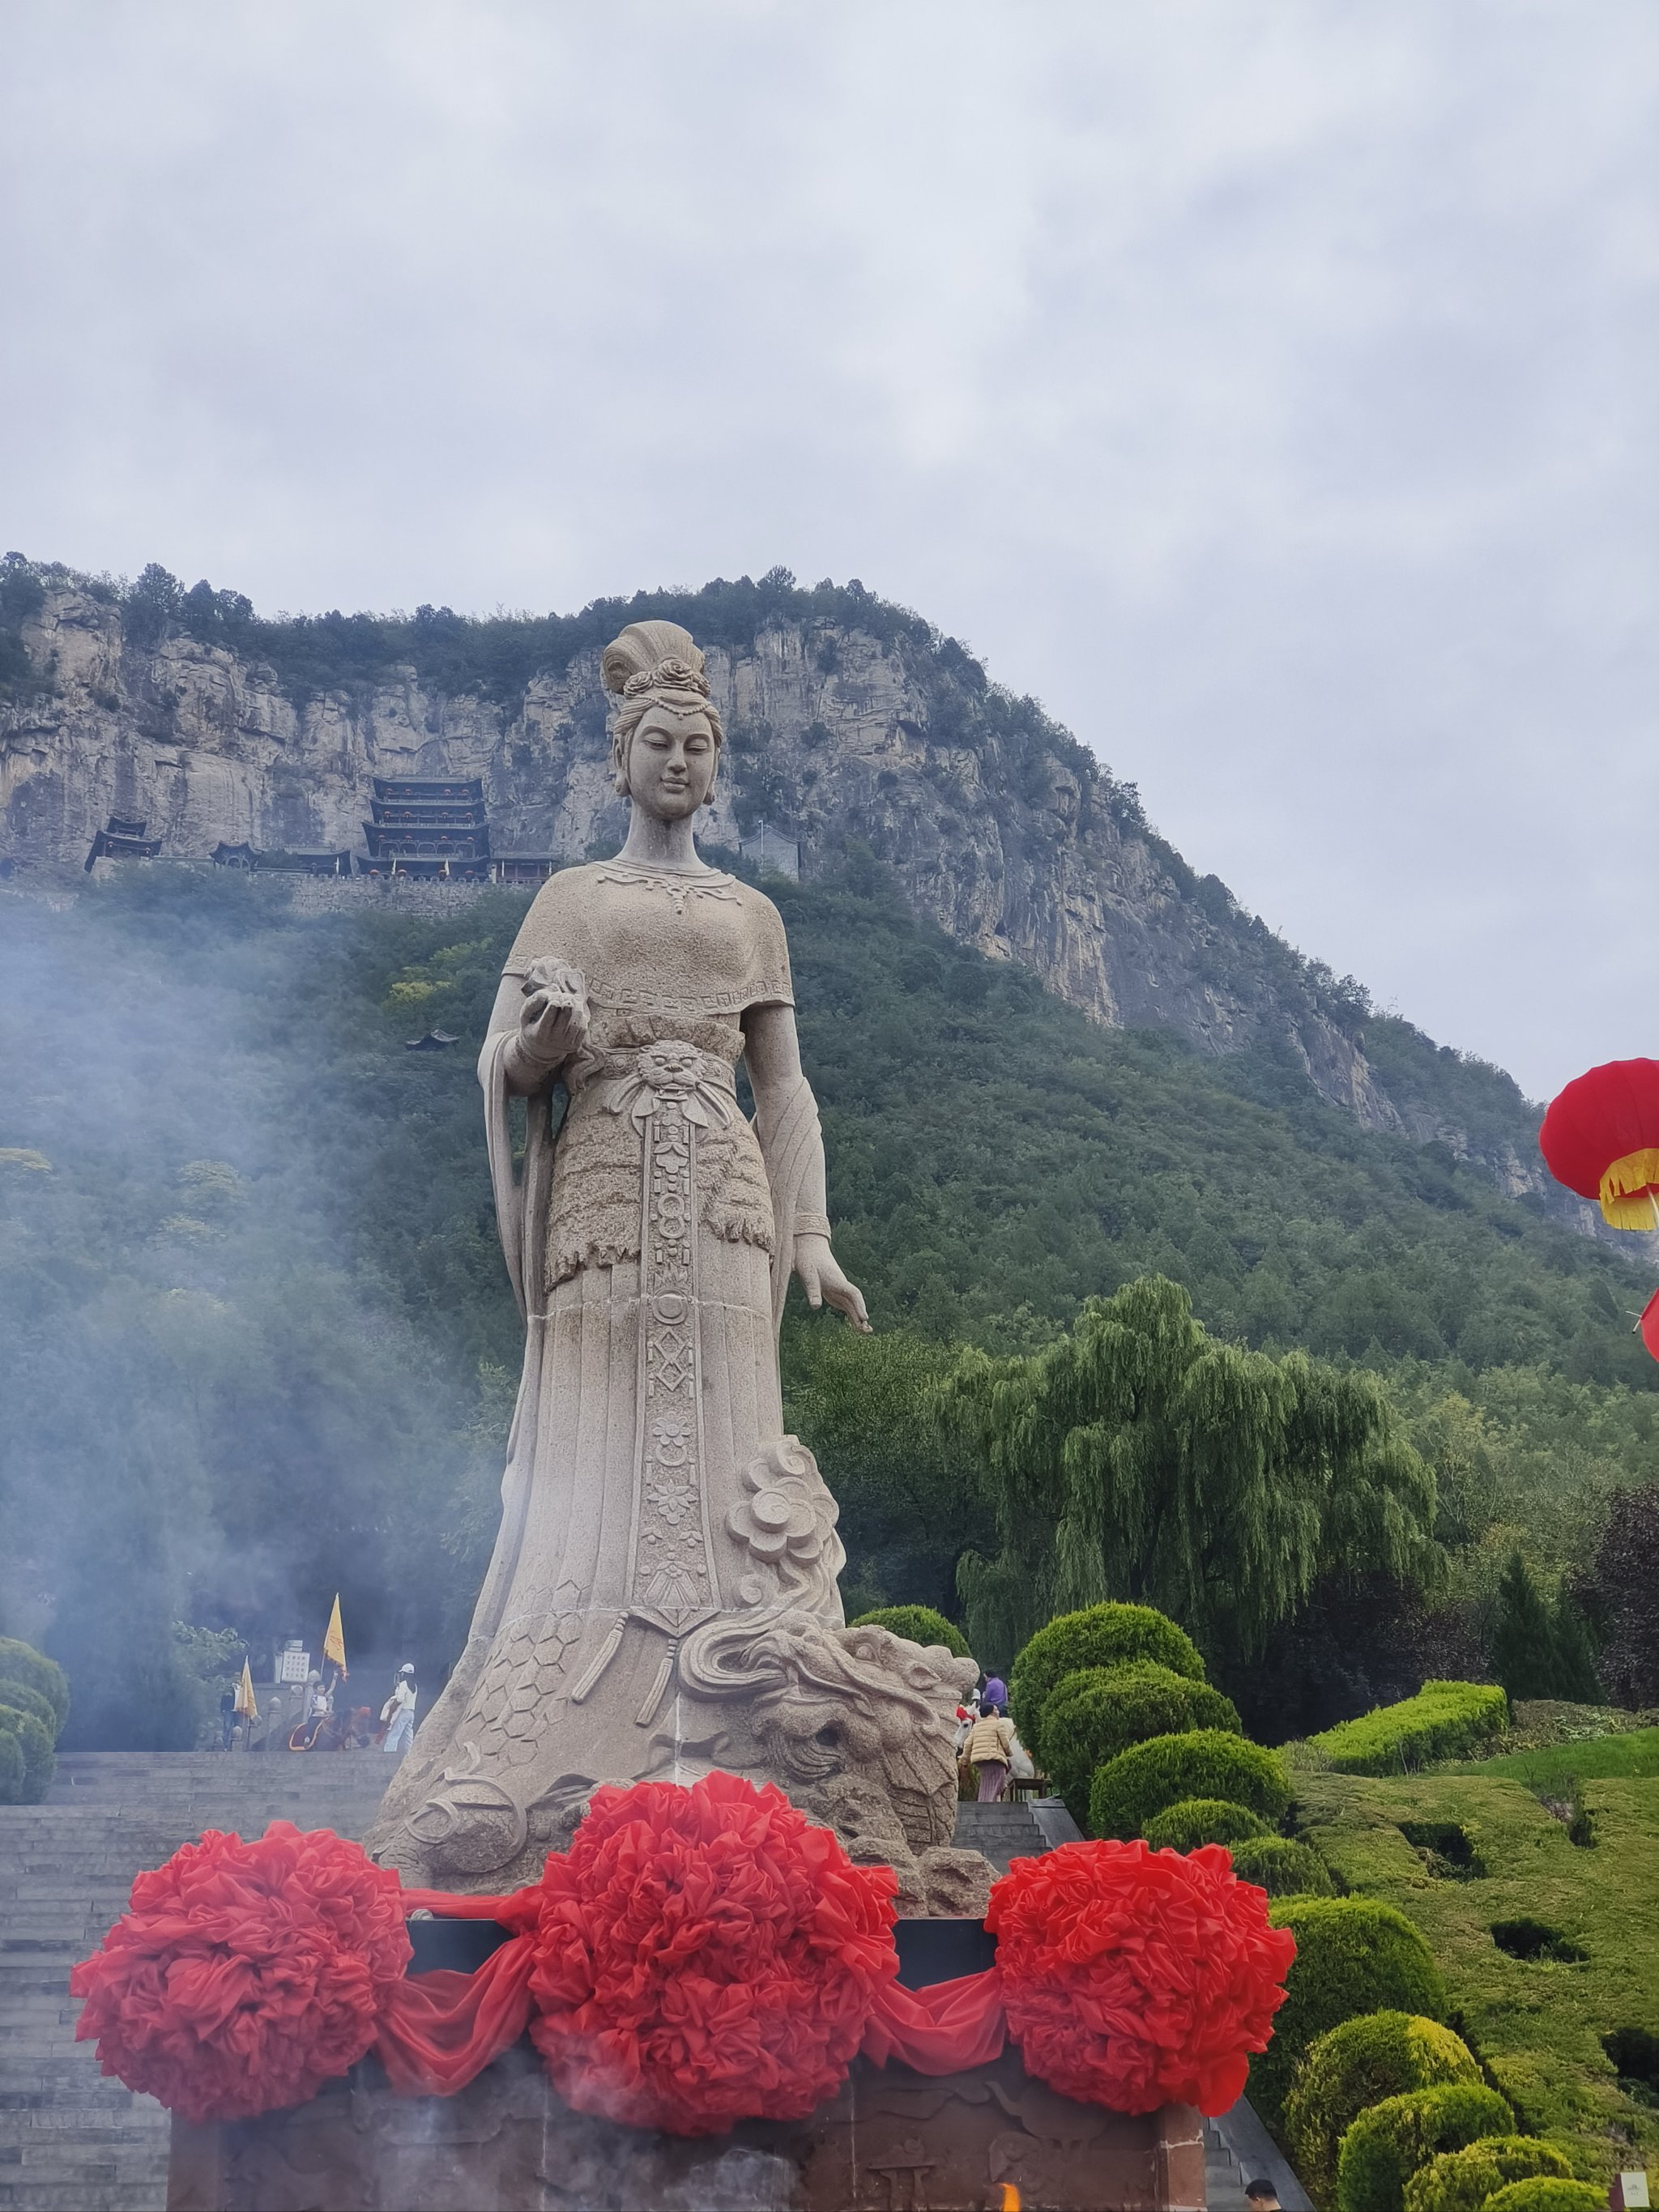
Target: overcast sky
<point x="1270" y="388"/>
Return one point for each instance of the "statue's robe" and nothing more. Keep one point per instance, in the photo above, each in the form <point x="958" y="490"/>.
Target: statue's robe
<point x="652" y="1509"/>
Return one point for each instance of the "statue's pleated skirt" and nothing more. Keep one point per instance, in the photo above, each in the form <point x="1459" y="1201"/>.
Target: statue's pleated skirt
<point x="556" y="1606"/>
<point x="580" y="1512"/>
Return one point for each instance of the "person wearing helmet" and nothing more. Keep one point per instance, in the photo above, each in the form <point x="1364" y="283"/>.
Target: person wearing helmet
<point x="399" y="1710"/>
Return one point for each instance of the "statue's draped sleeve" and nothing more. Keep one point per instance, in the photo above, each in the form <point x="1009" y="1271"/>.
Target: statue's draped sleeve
<point x="792" y="1145"/>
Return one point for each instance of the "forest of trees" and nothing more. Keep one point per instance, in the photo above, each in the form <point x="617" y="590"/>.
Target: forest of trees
<point x="257" y="1345"/>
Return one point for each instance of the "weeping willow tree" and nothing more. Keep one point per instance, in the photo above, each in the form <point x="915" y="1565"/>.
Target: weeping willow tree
<point x="1138" y="1458"/>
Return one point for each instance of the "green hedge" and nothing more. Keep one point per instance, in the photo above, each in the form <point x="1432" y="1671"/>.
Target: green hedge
<point x="34" y="1741"/>
<point x="21" y="1662"/>
<point x="1149" y="1776"/>
<point x="1354" y="1955"/>
<point x="11" y="1768"/>
<point x="1377" y="2055"/>
<point x="1197" y="1820"/>
<point x="1099" y="1635"/>
<point x="1546" y="2194"/>
<point x="1098" y="1712"/>
<point x="1444" y="1720"/>
<point x="1281" y="1867"/>
<point x="1462" y="2181"/>
<point x="917" y="1623"/>
<point x="1389" y="2143"/>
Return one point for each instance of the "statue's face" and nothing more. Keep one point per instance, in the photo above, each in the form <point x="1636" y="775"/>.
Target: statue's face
<point x="670" y="763"/>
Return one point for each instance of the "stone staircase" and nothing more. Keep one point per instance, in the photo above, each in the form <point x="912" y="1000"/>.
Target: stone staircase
<point x="1021" y="1831"/>
<point x="70" y="2140"/>
<point x="1223" y="2184"/>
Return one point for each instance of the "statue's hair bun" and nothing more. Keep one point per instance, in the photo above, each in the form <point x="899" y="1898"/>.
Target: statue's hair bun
<point x="642" y="648"/>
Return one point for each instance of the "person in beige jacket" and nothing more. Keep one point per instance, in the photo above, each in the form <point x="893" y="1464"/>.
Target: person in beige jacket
<point x="990" y="1749"/>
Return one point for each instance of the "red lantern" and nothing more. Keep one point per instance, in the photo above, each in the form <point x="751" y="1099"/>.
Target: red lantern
<point x="1600" y="1138"/>
<point x="1648" y="1326"/>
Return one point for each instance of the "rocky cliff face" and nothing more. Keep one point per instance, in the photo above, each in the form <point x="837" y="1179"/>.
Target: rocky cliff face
<point x="840" y="730"/>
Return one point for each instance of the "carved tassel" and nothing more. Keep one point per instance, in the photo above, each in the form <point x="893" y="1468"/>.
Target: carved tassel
<point x="648" y="1711"/>
<point x="602" y="1658"/>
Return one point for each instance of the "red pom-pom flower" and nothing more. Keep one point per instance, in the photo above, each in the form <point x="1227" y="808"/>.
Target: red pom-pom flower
<point x="705" y="1955"/>
<point x="244" y="1975"/>
<point x="1133" y="1978"/>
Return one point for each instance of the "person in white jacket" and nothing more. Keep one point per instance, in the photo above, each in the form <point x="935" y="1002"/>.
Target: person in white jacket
<point x="399" y="1710"/>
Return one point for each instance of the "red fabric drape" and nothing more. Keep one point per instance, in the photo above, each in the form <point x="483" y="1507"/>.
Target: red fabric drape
<point x="940" y="2029"/>
<point x="438" y="2031"/>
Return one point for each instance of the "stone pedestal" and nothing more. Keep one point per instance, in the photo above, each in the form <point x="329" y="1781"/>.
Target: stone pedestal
<point x="893" y="2140"/>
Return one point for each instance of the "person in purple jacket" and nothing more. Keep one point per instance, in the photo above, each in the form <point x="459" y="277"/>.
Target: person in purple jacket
<point x="995" y="1692"/>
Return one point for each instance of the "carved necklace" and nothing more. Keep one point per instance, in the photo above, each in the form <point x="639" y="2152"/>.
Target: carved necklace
<point x="679" y="888"/>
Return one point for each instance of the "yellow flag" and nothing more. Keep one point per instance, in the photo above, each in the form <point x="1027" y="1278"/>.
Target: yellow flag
<point x="245" y="1703"/>
<point x="334" y="1642"/>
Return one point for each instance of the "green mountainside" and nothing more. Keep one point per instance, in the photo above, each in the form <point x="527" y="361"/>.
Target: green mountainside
<point x="256" y="1343"/>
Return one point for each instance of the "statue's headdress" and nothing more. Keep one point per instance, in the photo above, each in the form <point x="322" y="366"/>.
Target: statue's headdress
<point x="653" y="664"/>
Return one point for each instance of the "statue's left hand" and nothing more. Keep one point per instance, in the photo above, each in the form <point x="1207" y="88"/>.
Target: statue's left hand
<point x="824" y="1284"/>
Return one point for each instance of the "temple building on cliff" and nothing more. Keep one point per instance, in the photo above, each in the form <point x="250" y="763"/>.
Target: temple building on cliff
<point x="438" y="827"/>
<point x="422" y="828"/>
<point x="122" y="838"/>
<point x="427" y="829"/>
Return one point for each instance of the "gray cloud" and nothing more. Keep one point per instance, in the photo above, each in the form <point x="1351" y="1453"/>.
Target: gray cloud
<point x="1269" y="386"/>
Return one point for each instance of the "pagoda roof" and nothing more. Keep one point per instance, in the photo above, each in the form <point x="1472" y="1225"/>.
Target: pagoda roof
<point x="430" y="788"/>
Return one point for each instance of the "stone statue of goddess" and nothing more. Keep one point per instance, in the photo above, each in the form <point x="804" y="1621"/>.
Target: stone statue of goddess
<point x="662" y="1599"/>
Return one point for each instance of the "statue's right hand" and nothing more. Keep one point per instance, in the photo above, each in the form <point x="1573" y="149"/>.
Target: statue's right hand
<point x="553" y="1020"/>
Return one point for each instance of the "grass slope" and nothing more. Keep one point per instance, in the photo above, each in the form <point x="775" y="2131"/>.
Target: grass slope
<point x="1560" y="1765"/>
<point x="1537" y="2023"/>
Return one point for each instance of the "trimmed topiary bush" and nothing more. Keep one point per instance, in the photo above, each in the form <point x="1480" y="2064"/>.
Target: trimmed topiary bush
<point x="1281" y="1867"/>
<point x="1462" y="2181"/>
<point x="1547" y="2194"/>
<point x="1197" y="1820"/>
<point x="34" y="1741"/>
<point x="917" y="1623"/>
<point x="21" y="1662"/>
<point x="34" y="1706"/>
<point x="1098" y="1712"/>
<point x="1099" y="1635"/>
<point x="1378" y="2055"/>
<point x="13" y="1692"/>
<point x="1444" y="1720"/>
<point x="1354" y="1955"/>
<point x="1200" y="1763"/>
<point x="1388" y="2144"/>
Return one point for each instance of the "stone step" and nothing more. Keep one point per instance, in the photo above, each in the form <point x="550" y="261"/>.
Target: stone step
<point x="95" y="2188"/>
<point x="70" y="2137"/>
<point x="1223" y="2184"/>
<point x="1006" y="1833"/>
